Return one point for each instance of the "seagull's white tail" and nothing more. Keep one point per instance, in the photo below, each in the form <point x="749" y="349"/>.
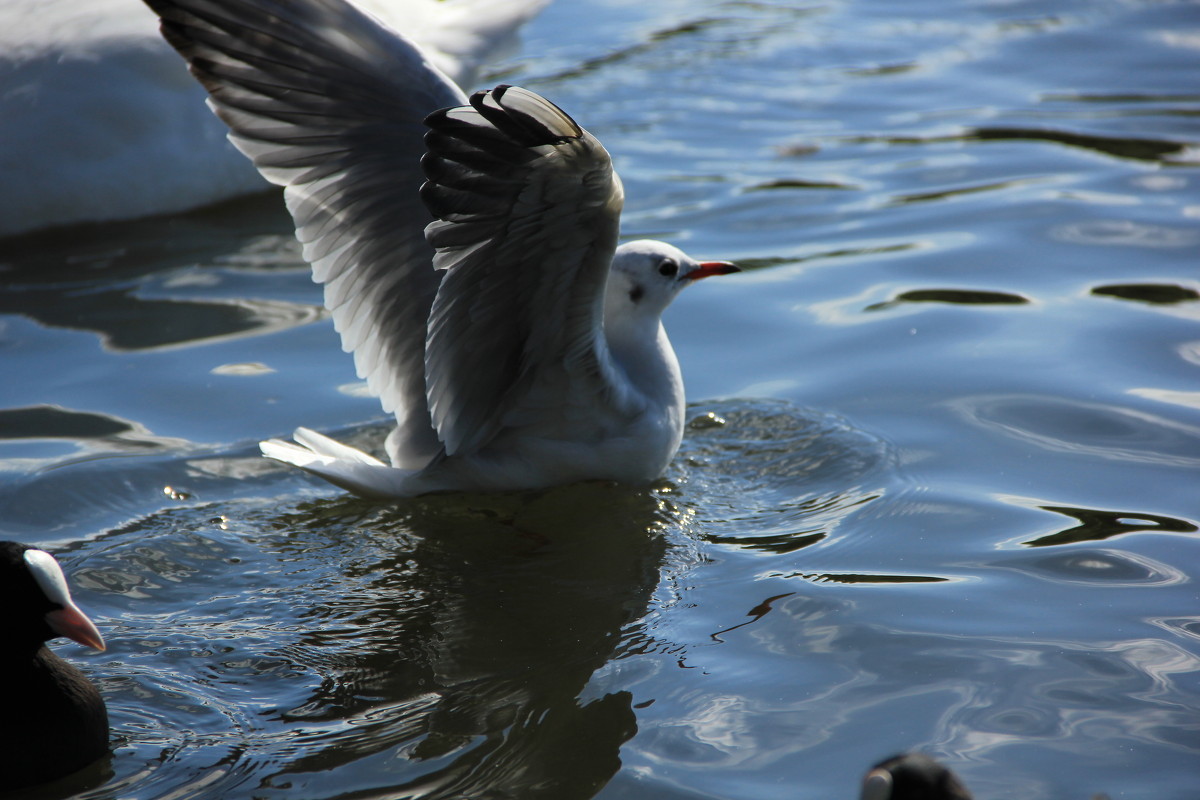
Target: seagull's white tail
<point x="340" y="464"/>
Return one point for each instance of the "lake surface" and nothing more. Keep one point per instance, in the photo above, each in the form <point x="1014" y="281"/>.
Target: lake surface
<point x="940" y="489"/>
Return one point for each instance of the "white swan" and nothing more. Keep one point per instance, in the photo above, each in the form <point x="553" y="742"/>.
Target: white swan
<point x="100" y="121"/>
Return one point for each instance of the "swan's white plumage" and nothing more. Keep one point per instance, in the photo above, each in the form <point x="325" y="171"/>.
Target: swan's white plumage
<point x="99" y="120"/>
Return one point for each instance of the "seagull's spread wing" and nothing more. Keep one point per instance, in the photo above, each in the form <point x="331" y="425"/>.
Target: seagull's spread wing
<point x="329" y="103"/>
<point x="528" y="208"/>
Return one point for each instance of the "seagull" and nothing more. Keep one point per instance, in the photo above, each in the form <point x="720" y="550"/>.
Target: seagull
<point x="100" y="121"/>
<point x="468" y="250"/>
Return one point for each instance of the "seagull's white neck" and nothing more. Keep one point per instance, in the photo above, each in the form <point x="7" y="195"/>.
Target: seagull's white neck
<point x="639" y="345"/>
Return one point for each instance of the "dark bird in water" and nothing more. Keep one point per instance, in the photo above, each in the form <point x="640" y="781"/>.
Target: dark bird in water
<point x="912" y="776"/>
<point x="53" y="721"/>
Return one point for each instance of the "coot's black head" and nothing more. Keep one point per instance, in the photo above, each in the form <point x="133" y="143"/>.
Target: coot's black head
<point x="912" y="776"/>
<point x="36" y="603"/>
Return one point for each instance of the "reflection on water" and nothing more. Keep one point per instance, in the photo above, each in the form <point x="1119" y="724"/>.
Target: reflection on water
<point x="755" y="614"/>
<point x="967" y="297"/>
<point x="45" y="436"/>
<point x="54" y="422"/>
<point x="139" y="290"/>
<point x="846" y="577"/>
<point x="441" y="646"/>
<point x="1096" y="525"/>
<point x="126" y="322"/>
<point x="1120" y="146"/>
<point x="485" y="619"/>
<point x="1155" y="293"/>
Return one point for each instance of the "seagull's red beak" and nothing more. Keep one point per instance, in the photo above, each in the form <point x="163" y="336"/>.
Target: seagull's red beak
<point x="73" y="624"/>
<point x="709" y="268"/>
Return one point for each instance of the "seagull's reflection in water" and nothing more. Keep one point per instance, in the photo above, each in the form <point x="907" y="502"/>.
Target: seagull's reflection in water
<point x="484" y="618"/>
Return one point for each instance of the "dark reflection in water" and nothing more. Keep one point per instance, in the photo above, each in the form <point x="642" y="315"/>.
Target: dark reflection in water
<point x="755" y="614"/>
<point x="1096" y="525"/>
<point x="968" y="297"/>
<point x="851" y="578"/>
<point x="953" y="192"/>
<point x="126" y="321"/>
<point x="457" y="664"/>
<point x="1142" y="149"/>
<point x="123" y="250"/>
<point x="161" y="281"/>
<point x="796" y="183"/>
<point x="750" y="264"/>
<point x="779" y="544"/>
<point x="732" y="36"/>
<point x="44" y="422"/>
<point x="1137" y="148"/>
<point x="1155" y="293"/>
<point x="52" y="435"/>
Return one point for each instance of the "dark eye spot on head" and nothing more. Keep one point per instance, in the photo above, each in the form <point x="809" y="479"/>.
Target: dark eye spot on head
<point x="668" y="268"/>
<point x="636" y="293"/>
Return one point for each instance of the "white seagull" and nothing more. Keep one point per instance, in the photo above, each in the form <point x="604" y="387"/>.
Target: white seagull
<point x="100" y="121"/>
<point x="490" y="308"/>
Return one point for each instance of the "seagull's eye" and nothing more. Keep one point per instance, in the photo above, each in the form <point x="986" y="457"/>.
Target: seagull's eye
<point x="668" y="268"/>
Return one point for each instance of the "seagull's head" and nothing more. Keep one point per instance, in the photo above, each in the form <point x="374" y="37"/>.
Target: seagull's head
<point x="646" y="275"/>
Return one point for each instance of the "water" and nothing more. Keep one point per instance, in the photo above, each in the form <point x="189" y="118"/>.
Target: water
<point x="939" y="489"/>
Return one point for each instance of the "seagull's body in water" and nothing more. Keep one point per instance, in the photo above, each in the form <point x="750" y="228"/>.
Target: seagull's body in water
<point x="469" y="255"/>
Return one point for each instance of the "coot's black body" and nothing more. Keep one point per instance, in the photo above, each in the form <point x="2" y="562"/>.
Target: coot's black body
<point x="52" y="720"/>
<point x="912" y="776"/>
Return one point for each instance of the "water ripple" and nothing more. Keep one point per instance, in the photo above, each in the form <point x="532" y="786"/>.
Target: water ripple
<point x="1125" y="233"/>
<point x="1113" y="568"/>
<point x="775" y="477"/>
<point x="1086" y="428"/>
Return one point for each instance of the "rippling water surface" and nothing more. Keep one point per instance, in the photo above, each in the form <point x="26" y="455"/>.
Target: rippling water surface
<point x="940" y="488"/>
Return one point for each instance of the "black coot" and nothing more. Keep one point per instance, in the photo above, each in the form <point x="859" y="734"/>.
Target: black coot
<point x="912" y="776"/>
<point x="52" y="721"/>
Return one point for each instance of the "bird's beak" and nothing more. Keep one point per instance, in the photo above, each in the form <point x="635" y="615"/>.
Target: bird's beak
<point x="74" y="624"/>
<point x="709" y="268"/>
<point x="877" y="785"/>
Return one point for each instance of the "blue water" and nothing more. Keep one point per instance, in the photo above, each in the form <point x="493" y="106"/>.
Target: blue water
<point x="940" y="489"/>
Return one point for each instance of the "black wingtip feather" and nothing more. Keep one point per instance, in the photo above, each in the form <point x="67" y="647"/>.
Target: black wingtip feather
<point x="488" y="107"/>
<point x="521" y="126"/>
<point x="452" y="174"/>
<point x="476" y="153"/>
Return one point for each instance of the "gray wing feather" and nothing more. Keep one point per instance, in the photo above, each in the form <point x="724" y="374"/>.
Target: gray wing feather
<point x="527" y="208"/>
<point x="329" y="103"/>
